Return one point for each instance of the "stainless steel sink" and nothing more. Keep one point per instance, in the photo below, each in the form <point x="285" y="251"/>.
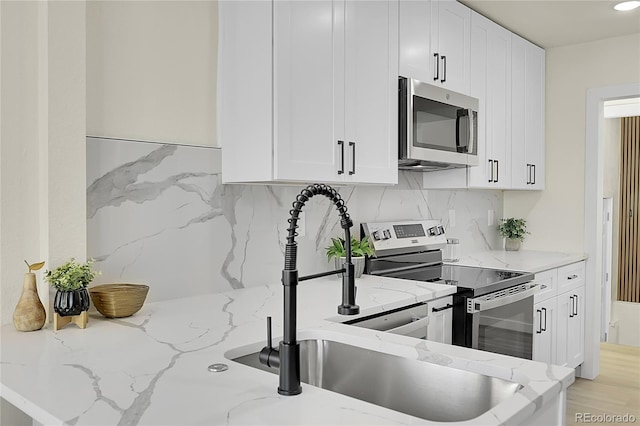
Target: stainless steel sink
<point x="421" y="389"/>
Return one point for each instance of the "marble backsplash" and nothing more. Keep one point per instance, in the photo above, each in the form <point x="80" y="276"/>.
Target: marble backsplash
<point x="159" y="214"/>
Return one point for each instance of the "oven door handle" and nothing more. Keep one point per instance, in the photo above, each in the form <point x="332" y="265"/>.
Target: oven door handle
<point x="496" y="300"/>
<point x="416" y="328"/>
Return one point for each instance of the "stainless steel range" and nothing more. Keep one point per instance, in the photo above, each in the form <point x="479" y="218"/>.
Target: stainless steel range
<point x="492" y="309"/>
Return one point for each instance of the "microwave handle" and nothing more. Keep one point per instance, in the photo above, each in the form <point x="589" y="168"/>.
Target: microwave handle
<point x="472" y="133"/>
<point x="469" y="142"/>
<point x="462" y="146"/>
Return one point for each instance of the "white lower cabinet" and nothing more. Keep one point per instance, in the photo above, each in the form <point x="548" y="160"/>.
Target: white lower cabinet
<point x="570" y="336"/>
<point x="440" y="320"/>
<point x="544" y="326"/>
<point x="558" y="310"/>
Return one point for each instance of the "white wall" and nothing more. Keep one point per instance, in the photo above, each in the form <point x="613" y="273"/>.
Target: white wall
<point x="42" y="144"/>
<point x="19" y="197"/>
<point x="556" y="215"/>
<point x="42" y="141"/>
<point x="625" y="317"/>
<point x="151" y="70"/>
<point x="19" y="201"/>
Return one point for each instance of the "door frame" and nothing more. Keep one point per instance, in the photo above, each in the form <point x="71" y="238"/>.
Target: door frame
<point x="607" y="250"/>
<point x="593" y="189"/>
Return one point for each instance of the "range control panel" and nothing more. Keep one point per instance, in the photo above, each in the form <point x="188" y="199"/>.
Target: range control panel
<point x="405" y="236"/>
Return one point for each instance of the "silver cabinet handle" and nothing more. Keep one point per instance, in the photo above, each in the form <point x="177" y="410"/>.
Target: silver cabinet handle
<point x="341" y="145"/>
<point x="491" y="171"/>
<point x="436" y="77"/>
<point x="353" y="158"/>
<point x="544" y="328"/>
<point x="528" y="174"/>
<point x="539" y="330"/>
<point x="497" y="164"/>
<point x="444" y="69"/>
<point x="533" y="182"/>
<point x="572" y="277"/>
<point x="571" y="315"/>
<point x="575" y="312"/>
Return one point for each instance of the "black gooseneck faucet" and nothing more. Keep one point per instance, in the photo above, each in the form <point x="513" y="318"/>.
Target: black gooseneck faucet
<point x="287" y="356"/>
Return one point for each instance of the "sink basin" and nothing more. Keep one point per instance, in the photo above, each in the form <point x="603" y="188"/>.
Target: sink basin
<point x="421" y="389"/>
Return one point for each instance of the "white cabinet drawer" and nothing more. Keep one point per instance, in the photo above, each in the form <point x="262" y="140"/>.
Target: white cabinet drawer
<point x="548" y="281"/>
<point x="570" y="277"/>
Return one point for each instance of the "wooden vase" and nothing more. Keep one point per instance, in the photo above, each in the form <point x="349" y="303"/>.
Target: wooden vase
<point x="29" y="314"/>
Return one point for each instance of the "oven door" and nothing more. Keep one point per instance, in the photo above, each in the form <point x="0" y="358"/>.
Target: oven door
<point x="502" y="322"/>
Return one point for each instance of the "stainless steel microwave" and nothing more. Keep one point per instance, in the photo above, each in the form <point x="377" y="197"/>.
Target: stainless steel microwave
<point x="438" y="128"/>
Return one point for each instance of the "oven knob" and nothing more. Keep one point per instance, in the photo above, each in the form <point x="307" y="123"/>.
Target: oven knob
<point x="433" y="231"/>
<point x="386" y="234"/>
<point x="441" y="229"/>
<point x="376" y="236"/>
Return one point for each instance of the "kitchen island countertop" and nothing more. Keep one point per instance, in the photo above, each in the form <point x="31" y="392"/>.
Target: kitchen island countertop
<point x="152" y="368"/>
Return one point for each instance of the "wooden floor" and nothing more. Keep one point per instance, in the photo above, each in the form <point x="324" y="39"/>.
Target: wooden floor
<point x="616" y="390"/>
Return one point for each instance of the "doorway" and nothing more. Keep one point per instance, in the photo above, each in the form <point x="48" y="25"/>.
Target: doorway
<point x="594" y="163"/>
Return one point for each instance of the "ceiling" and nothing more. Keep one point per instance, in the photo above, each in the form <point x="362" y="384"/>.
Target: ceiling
<point x="559" y="23"/>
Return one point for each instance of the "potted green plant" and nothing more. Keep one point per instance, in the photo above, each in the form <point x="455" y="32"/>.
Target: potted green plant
<point x="513" y="230"/>
<point x="359" y="249"/>
<point x="71" y="280"/>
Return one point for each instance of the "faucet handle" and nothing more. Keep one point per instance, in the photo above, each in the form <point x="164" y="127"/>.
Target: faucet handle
<point x="269" y="342"/>
<point x="268" y="355"/>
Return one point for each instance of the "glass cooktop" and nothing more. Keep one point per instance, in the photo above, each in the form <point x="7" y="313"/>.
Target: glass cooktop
<point x="478" y="281"/>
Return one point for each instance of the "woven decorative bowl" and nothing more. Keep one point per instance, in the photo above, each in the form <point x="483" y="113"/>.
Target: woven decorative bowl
<point x="118" y="300"/>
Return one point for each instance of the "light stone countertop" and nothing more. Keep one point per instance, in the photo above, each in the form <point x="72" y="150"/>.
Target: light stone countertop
<point x="151" y="369"/>
<point x="521" y="260"/>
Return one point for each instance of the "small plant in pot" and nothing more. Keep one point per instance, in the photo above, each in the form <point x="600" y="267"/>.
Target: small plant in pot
<point x="359" y="249"/>
<point x="514" y="231"/>
<point x="71" y="280"/>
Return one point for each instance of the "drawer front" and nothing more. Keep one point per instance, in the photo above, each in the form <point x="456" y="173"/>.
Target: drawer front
<point x="570" y="277"/>
<point x="548" y="281"/>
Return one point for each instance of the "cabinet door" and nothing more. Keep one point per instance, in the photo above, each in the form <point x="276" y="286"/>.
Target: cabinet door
<point x="544" y="318"/>
<point x="575" y="342"/>
<point x="450" y="40"/>
<point x="570" y="337"/>
<point x="491" y="84"/>
<point x="371" y="104"/>
<point x="528" y="86"/>
<point x="440" y="320"/>
<point x="308" y="43"/>
<point x="521" y="169"/>
<point x="415" y="40"/>
<point x="534" y="113"/>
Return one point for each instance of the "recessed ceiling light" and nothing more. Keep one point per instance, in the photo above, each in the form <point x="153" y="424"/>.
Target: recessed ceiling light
<point x="627" y="5"/>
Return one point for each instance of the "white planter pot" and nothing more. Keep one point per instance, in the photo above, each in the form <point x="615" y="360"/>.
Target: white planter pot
<point x="511" y="244"/>
<point x="358" y="264"/>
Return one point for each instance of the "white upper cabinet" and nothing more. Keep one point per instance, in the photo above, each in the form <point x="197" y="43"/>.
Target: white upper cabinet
<point x="371" y="104"/>
<point x="435" y="43"/>
<point x="450" y="44"/>
<point x="326" y="111"/>
<point x="491" y="84"/>
<point x="528" y="86"/>
<point x="307" y="84"/>
<point x="507" y="75"/>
